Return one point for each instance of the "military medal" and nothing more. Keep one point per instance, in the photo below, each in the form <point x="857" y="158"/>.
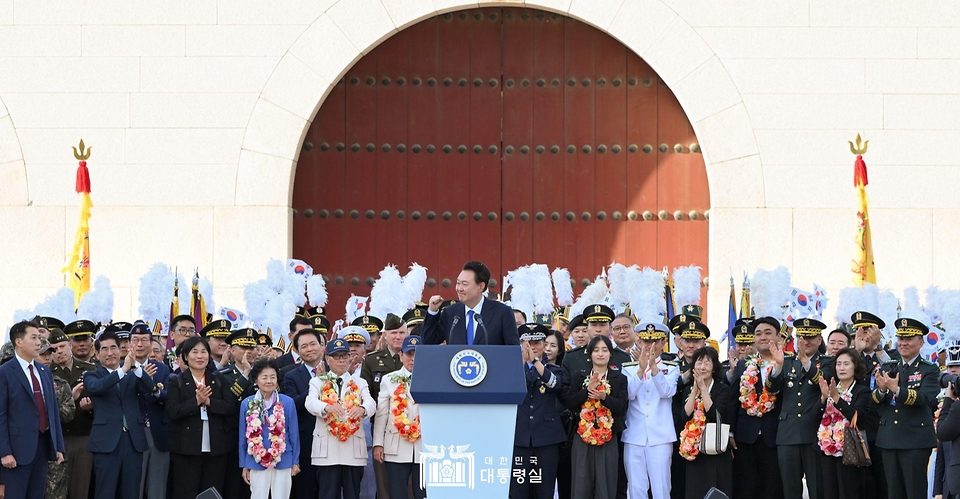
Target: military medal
<point x="543" y="389"/>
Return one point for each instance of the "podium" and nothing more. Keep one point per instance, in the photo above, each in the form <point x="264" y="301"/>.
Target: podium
<point x="468" y="398"/>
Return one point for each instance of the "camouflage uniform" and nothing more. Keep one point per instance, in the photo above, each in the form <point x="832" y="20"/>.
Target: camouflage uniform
<point x="57" y="478"/>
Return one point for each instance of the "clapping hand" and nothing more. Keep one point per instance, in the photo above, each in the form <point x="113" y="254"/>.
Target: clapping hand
<point x="824" y="388"/>
<point x="150" y="369"/>
<point x="337" y="410"/>
<point x="356" y="413"/>
<point x="594" y="381"/>
<point x="834" y="393"/>
<point x="76" y="390"/>
<point x="203" y="395"/>
<point x="86" y="404"/>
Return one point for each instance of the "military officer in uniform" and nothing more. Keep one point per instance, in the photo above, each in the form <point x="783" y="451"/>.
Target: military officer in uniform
<point x="798" y="385"/>
<point x="413" y="318"/>
<point x="539" y="433"/>
<point x="867" y="340"/>
<point x="649" y="437"/>
<point x="906" y="393"/>
<point x="598" y="318"/>
<point x="692" y="336"/>
<point x="76" y="433"/>
<point x="236" y="377"/>
<point x="374" y="328"/>
<point x="375" y="366"/>
<point x="57" y="479"/>
<point x="742" y="348"/>
<point x="216" y="333"/>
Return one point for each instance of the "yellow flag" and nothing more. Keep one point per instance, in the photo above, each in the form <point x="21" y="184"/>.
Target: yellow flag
<point x="78" y="261"/>
<point x="862" y="267"/>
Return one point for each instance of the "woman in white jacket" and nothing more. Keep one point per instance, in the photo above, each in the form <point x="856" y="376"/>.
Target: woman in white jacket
<point x="341" y="402"/>
<point x="396" y="429"/>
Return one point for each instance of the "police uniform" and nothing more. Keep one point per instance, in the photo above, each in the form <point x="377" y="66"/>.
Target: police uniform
<point x="906" y="432"/>
<point x="798" y="386"/>
<point x="77" y="432"/>
<point x="241" y="388"/>
<point x="539" y="432"/>
<point x="649" y="437"/>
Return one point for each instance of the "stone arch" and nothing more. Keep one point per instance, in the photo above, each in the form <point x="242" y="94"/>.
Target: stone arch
<point x="348" y="30"/>
<point x="13" y="172"/>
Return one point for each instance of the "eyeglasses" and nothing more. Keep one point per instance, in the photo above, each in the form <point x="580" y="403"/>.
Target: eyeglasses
<point x="186" y="330"/>
<point x="622" y="328"/>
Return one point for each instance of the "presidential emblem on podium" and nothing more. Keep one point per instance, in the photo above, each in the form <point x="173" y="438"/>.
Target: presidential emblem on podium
<point x="437" y="469"/>
<point x="468" y="368"/>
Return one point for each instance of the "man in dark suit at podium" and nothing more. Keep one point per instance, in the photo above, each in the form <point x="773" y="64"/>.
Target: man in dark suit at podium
<point x="475" y="320"/>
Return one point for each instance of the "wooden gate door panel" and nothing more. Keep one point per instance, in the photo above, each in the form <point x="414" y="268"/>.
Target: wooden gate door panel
<point x="511" y="136"/>
<point x="579" y="131"/>
<point x="611" y="165"/>
<point x="519" y="191"/>
<point x="549" y="238"/>
<point x="485" y="142"/>
<point x="641" y="234"/>
<point x="453" y="195"/>
<point x="361" y="167"/>
<point x="423" y="112"/>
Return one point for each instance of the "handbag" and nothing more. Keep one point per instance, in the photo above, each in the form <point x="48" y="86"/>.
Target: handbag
<point x="856" y="452"/>
<point x="716" y="437"/>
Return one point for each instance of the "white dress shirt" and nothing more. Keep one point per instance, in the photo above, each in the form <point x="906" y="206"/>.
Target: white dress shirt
<point x="26" y="371"/>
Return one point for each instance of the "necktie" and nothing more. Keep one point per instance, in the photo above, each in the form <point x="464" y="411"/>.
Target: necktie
<point x="314" y="372"/>
<point x="470" y="327"/>
<point x="339" y="385"/>
<point x="44" y="425"/>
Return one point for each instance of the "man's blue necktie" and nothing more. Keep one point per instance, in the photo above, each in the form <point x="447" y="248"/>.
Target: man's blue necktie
<point x="470" y="327"/>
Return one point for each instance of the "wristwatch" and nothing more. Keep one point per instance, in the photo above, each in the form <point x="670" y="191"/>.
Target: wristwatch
<point x="536" y="360"/>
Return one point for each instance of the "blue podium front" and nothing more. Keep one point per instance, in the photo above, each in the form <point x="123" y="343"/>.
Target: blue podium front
<point x="468" y="397"/>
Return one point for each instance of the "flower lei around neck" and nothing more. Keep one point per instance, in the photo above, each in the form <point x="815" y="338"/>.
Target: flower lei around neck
<point x="408" y="429"/>
<point x="338" y="427"/>
<point x="256" y="415"/>
<point x="830" y="432"/>
<point x="596" y="420"/>
<point x="755" y="406"/>
<point x="692" y="433"/>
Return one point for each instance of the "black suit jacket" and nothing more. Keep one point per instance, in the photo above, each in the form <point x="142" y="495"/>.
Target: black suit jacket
<point x="186" y="427"/>
<point x="285" y="360"/>
<point x="576" y="394"/>
<point x="799" y="390"/>
<point x="746" y="429"/>
<point x="496" y="325"/>
<point x="948" y="431"/>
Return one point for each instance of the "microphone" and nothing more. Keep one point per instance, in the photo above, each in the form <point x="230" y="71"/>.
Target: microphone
<point x="456" y="320"/>
<point x="480" y="323"/>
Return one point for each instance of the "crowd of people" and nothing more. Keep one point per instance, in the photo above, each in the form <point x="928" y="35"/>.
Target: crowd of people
<point x="107" y="411"/>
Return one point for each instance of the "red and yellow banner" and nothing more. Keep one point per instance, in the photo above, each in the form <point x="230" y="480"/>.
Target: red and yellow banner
<point x="863" y="267"/>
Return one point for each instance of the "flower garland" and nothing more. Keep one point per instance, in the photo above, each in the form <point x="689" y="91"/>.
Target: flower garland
<point x="755" y="406"/>
<point x="692" y="433"/>
<point x="596" y="420"/>
<point x="276" y="422"/>
<point x="830" y="432"/>
<point x="408" y="429"/>
<point x="339" y="428"/>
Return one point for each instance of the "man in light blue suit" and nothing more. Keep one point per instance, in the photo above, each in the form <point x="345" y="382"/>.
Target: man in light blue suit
<point x="118" y="438"/>
<point x="30" y="433"/>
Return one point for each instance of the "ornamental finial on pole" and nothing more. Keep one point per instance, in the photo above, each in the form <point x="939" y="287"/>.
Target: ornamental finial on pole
<point x="860" y="148"/>
<point x="84" y="153"/>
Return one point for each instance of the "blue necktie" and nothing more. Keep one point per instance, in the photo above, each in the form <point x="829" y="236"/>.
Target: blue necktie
<point x="470" y="327"/>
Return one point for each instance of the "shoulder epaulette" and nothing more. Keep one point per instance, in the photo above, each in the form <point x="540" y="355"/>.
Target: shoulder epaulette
<point x="670" y="363"/>
<point x="225" y="370"/>
<point x="892" y="362"/>
<point x="630" y="364"/>
<point x="929" y="363"/>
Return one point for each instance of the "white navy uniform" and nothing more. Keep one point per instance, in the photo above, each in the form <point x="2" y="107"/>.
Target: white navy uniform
<point x="650" y="434"/>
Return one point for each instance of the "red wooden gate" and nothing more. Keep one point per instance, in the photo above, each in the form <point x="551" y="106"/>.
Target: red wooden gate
<point x="510" y="136"/>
